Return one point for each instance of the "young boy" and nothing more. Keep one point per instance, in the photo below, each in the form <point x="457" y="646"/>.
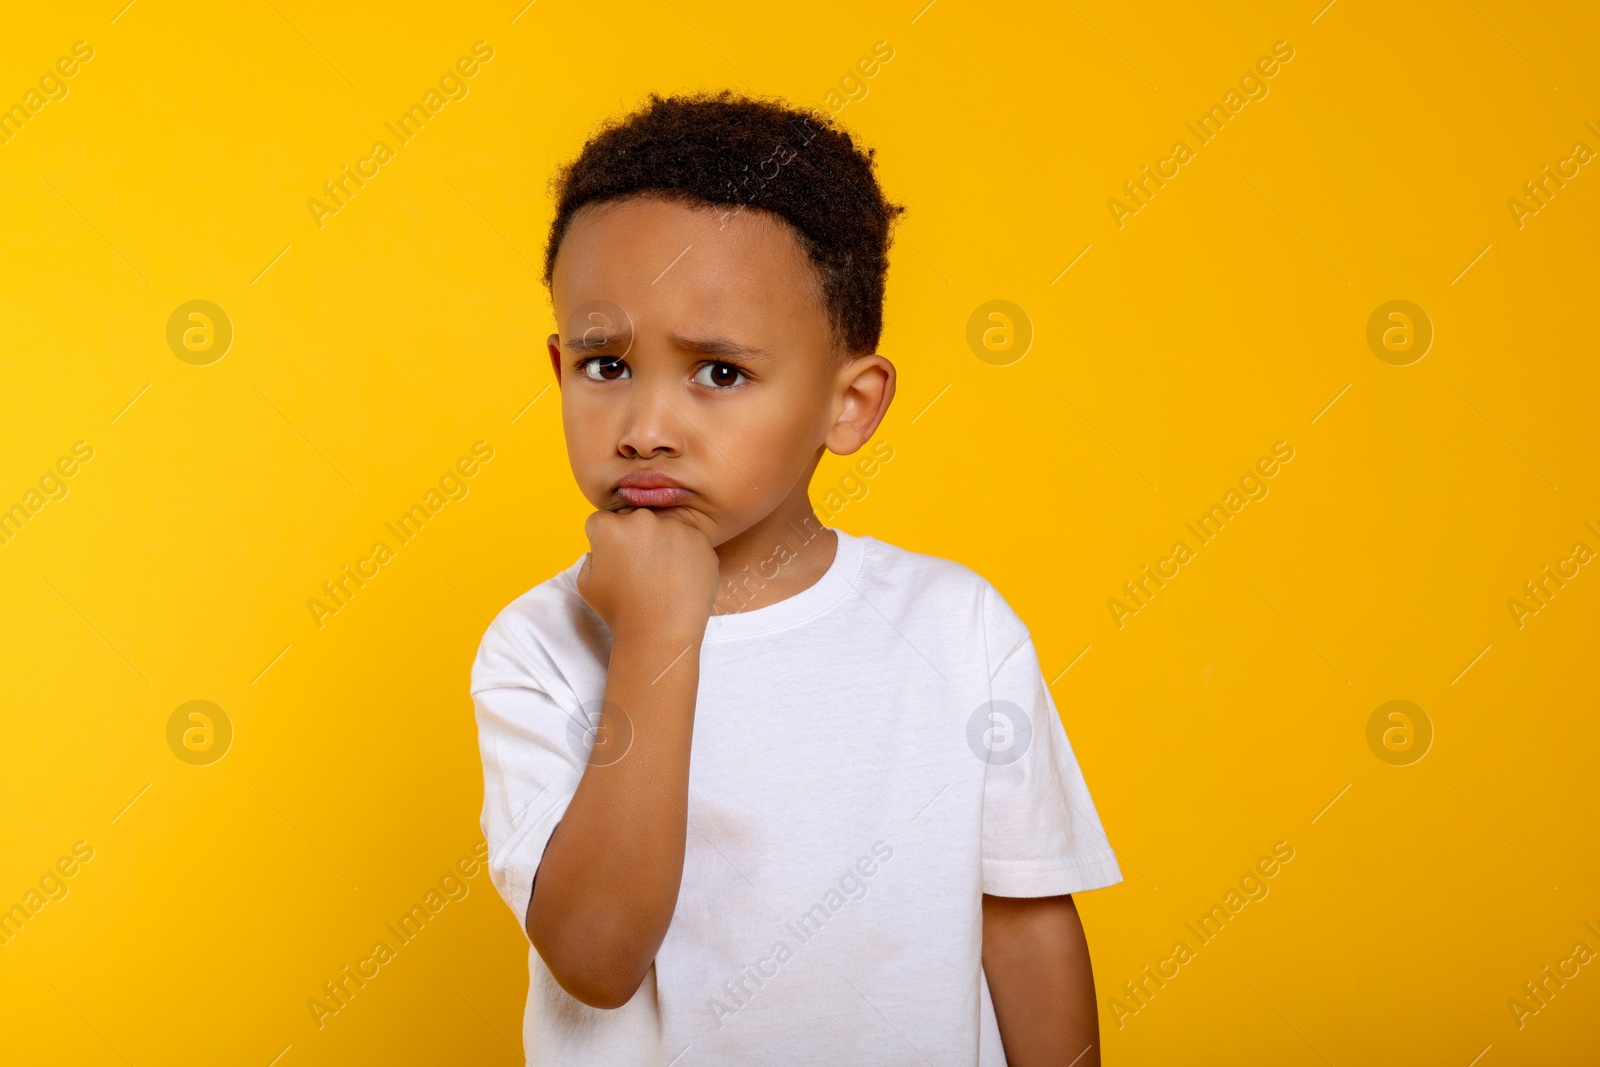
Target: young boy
<point x="758" y="790"/>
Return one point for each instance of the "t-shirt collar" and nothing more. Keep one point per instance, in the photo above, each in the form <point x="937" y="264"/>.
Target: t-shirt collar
<point x="836" y="581"/>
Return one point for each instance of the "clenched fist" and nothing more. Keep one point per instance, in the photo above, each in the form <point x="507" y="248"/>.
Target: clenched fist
<point x="648" y="573"/>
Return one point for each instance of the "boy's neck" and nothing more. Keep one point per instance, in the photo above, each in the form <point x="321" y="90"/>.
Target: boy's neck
<point x="783" y="554"/>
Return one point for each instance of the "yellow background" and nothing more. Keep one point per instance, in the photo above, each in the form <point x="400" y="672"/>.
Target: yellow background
<point x="1225" y="316"/>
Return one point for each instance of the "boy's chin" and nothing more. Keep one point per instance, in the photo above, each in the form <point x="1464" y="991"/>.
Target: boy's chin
<point x="687" y="516"/>
<point x="717" y="531"/>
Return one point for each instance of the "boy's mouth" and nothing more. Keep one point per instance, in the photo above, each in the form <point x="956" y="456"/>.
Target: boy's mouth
<point x="651" y="489"/>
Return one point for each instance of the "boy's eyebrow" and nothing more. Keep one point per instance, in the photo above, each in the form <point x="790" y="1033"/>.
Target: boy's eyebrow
<point x="592" y="340"/>
<point x="719" y="346"/>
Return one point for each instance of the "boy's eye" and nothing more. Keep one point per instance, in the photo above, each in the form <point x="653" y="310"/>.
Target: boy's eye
<point x="719" y="375"/>
<point x="604" y="368"/>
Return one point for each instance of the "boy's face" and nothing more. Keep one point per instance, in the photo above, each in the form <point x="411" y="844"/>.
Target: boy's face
<point x="696" y="354"/>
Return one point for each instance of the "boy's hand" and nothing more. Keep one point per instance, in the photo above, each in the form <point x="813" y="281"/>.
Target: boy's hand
<point x="608" y="882"/>
<point x="647" y="573"/>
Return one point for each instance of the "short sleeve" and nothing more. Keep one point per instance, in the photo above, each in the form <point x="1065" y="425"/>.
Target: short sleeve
<point x="531" y="766"/>
<point x="1041" y="833"/>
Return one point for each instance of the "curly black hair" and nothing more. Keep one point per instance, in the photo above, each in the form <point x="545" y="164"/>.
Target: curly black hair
<point x="715" y="149"/>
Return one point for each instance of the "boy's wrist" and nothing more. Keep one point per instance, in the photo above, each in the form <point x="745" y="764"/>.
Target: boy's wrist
<point x="646" y="635"/>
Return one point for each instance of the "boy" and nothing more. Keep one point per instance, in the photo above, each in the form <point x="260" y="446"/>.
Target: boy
<point x="758" y="790"/>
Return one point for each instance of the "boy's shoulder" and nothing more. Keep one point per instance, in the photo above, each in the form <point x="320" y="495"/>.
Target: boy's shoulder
<point x="927" y="582"/>
<point x="920" y="571"/>
<point x="527" y="635"/>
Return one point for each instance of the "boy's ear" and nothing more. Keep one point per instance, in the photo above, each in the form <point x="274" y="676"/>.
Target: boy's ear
<point x="865" y="390"/>
<point x="553" y="343"/>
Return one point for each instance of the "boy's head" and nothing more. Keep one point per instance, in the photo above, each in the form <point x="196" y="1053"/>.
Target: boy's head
<point x="717" y="264"/>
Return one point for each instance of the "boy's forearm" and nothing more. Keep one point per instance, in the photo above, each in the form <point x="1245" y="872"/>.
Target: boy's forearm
<point x="1036" y="959"/>
<point x="608" y="883"/>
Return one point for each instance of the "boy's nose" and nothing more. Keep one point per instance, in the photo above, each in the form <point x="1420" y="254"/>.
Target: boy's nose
<point x="653" y="427"/>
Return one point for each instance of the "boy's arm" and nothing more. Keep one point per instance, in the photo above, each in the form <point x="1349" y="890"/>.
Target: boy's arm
<point x="1037" y="962"/>
<point x="608" y="882"/>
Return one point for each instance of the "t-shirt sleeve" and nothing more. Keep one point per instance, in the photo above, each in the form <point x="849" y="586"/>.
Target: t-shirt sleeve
<point x="1041" y="833"/>
<point x="530" y="766"/>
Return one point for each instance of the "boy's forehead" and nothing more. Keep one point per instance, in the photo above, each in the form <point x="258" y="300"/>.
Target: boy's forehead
<point x="673" y="261"/>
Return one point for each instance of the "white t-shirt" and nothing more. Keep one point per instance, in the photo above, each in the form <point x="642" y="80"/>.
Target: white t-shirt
<point x="869" y="757"/>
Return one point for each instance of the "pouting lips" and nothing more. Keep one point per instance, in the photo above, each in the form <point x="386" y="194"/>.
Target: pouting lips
<point x="663" y="497"/>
